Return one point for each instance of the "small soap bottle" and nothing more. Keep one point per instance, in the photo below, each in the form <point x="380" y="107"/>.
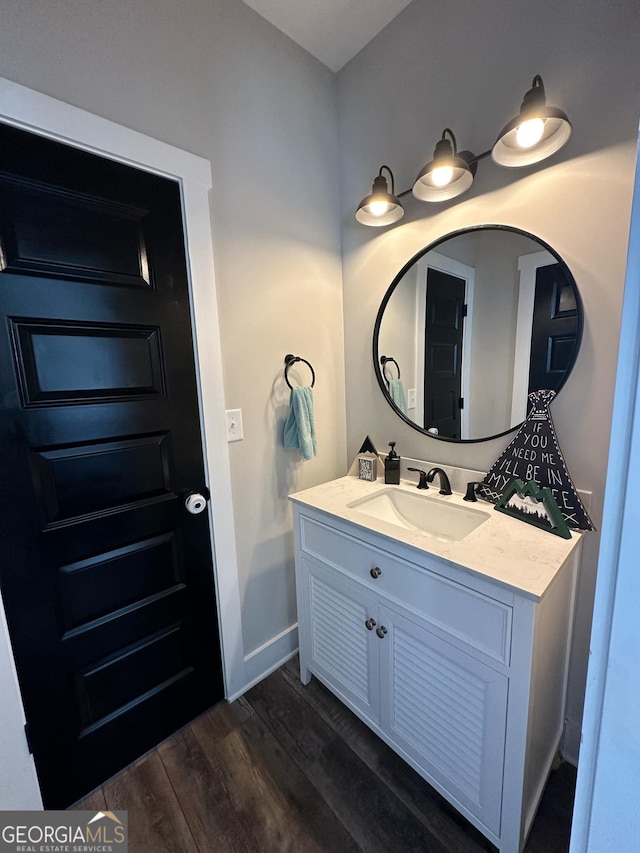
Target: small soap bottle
<point x="392" y="466"/>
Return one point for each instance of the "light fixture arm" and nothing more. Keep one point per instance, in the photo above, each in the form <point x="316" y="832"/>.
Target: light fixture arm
<point x="535" y="97"/>
<point x="448" y="130"/>
<point x="393" y="183"/>
<point x="475" y="158"/>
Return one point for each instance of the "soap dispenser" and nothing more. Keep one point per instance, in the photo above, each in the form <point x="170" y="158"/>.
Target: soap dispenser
<point x="392" y="467"/>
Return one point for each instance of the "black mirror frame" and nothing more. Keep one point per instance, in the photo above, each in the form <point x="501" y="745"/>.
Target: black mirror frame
<point x="376" y="329"/>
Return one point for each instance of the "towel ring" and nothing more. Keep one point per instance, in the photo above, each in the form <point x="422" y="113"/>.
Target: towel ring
<point x="290" y="359"/>
<point x="384" y="360"/>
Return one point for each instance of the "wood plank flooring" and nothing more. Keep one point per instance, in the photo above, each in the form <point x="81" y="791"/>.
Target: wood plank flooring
<point x="288" y="769"/>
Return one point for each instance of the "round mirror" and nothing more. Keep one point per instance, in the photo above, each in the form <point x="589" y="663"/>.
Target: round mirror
<point x="470" y="326"/>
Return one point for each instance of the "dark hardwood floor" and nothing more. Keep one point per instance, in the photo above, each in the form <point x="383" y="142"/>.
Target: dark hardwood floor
<point x="289" y="768"/>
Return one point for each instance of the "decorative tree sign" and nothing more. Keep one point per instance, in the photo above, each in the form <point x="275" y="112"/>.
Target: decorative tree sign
<point x="535" y="506"/>
<point x="534" y="454"/>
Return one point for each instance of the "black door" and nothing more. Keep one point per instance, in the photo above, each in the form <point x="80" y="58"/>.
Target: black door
<point x="554" y="336"/>
<point x="107" y="579"/>
<point x="443" y="352"/>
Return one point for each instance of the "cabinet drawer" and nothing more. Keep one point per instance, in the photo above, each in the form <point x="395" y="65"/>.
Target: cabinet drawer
<point x="474" y="619"/>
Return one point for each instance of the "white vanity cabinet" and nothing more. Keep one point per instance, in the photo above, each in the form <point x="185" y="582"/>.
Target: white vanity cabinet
<point x="463" y="677"/>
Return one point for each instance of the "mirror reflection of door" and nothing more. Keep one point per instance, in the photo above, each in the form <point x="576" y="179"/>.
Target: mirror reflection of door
<point x="443" y="349"/>
<point x="547" y="331"/>
<point x="445" y="292"/>
<point x="555" y="328"/>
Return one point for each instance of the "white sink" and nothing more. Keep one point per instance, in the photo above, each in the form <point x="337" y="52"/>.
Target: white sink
<point x="417" y="511"/>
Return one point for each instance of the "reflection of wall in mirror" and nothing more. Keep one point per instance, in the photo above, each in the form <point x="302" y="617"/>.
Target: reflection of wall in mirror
<point x="494" y="340"/>
<point x="396" y="340"/>
<point x="494" y="255"/>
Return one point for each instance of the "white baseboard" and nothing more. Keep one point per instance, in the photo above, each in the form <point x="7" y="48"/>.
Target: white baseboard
<point x="268" y="657"/>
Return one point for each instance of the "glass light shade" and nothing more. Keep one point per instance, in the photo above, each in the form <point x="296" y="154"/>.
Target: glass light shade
<point x="381" y="207"/>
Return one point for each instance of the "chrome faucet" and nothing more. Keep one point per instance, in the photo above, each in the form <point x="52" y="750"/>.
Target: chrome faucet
<point x="445" y="485"/>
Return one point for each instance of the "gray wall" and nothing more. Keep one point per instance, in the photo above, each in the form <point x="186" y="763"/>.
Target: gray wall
<point x="495" y="309"/>
<point x="398" y="340"/>
<point x="467" y="68"/>
<point x="216" y="79"/>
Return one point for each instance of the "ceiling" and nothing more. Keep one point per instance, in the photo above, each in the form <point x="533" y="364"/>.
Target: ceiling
<point x="331" y="30"/>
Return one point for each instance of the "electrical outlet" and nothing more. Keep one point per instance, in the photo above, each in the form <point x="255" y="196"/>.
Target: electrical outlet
<point x="411" y="398"/>
<point x="234" y="424"/>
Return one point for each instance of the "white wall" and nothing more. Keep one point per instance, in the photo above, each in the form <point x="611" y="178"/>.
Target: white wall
<point x="215" y="79"/>
<point x="467" y="68"/>
<point x="606" y="815"/>
<point x="18" y="783"/>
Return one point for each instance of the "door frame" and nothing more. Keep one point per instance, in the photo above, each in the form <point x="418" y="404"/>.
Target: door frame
<point x="32" y="111"/>
<point x="528" y="266"/>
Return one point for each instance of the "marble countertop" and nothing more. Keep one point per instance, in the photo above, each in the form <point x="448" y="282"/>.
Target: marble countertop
<point x="515" y="554"/>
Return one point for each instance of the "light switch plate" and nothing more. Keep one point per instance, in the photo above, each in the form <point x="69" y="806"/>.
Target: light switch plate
<point x="234" y="424"/>
<point x="411" y="398"/>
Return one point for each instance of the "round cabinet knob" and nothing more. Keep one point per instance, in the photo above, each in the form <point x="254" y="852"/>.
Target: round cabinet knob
<point x="370" y="624"/>
<point x="375" y="572"/>
<point x="381" y="631"/>
<point x="195" y="503"/>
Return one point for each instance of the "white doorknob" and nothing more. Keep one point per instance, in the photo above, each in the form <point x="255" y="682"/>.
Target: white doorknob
<point x="195" y="503"/>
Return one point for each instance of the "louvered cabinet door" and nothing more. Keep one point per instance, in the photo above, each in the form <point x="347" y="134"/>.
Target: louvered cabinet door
<point x="447" y="711"/>
<point x="341" y="650"/>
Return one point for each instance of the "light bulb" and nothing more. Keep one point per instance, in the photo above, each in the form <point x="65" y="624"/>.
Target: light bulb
<point x="378" y="208"/>
<point x="441" y="176"/>
<point x="529" y="133"/>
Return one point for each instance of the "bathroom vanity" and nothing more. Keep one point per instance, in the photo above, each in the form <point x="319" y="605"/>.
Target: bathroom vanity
<point x="446" y="627"/>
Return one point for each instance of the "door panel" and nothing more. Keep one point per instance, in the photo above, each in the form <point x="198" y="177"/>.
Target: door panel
<point x="554" y="336"/>
<point x="75" y="483"/>
<point x="66" y="363"/>
<point x="107" y="580"/>
<point x="50" y="230"/>
<point x="89" y="589"/>
<point x="443" y="352"/>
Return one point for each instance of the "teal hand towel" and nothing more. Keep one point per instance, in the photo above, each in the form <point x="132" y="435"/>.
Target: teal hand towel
<point x="396" y="392"/>
<point x="300" y="426"/>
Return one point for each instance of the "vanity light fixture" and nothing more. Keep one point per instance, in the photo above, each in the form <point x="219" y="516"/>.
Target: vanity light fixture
<point x="536" y="133"/>
<point x="533" y="135"/>
<point x="449" y="174"/>
<point x="381" y="207"/>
